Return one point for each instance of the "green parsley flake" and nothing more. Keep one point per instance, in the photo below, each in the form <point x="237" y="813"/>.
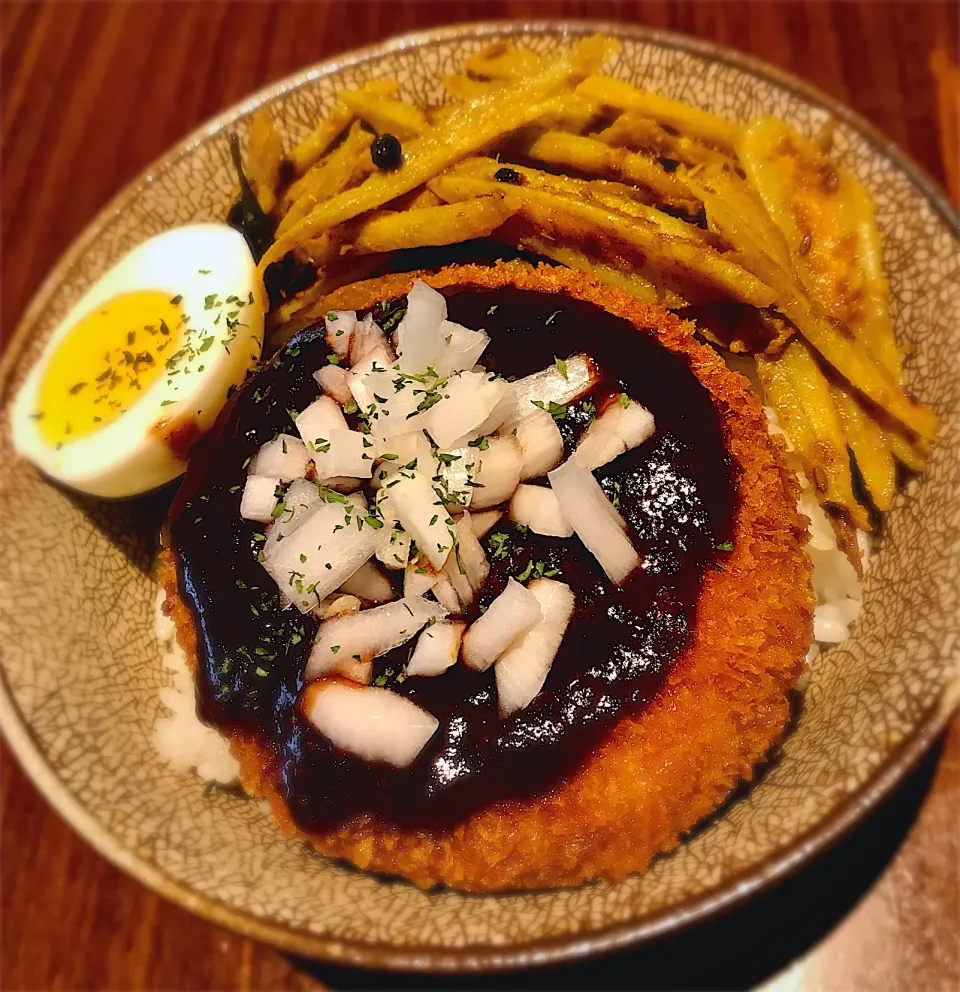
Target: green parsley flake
<point x="556" y="410"/>
<point x="499" y="545"/>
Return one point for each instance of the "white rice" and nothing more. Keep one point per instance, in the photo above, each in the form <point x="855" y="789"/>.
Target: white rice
<point x="190" y="745"/>
<point x="182" y="740"/>
<point x="836" y="585"/>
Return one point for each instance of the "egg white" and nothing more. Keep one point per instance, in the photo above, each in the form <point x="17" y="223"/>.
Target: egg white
<point x="131" y="455"/>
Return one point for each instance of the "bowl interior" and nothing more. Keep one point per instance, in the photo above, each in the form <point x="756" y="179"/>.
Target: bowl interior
<point x="81" y="668"/>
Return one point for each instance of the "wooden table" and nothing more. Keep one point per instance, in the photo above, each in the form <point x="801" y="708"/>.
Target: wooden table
<point x="91" y="93"/>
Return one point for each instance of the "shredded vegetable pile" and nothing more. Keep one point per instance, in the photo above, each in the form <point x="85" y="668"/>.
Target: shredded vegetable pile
<point x="751" y="229"/>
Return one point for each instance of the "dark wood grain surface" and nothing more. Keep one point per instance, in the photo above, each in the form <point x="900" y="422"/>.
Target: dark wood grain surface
<point x="90" y="94"/>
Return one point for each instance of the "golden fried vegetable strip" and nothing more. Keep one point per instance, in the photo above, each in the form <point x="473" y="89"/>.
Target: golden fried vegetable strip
<point x="733" y="210"/>
<point x="568" y="208"/>
<point x="829" y="222"/>
<point x="874" y="320"/>
<point x="309" y="184"/>
<point x="796" y="388"/>
<point x="617" y="196"/>
<point x="866" y="439"/>
<point x="349" y="160"/>
<point x="913" y="455"/>
<point x="313" y="147"/>
<point x="467" y="129"/>
<point x="319" y="251"/>
<point x="634" y="131"/>
<point x="264" y="155"/>
<point x="402" y="120"/>
<point x="465" y="89"/>
<point x="319" y="141"/>
<point x="416" y="199"/>
<point x="444" y="225"/>
<point x="571" y="113"/>
<point x="626" y="279"/>
<point x="573" y="151"/>
<point x="498" y="61"/>
<point x="686" y="119"/>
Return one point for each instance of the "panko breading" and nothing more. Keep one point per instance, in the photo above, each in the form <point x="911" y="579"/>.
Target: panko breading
<point x="661" y="770"/>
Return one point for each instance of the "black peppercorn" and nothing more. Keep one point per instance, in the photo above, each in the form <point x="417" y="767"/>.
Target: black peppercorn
<point x="508" y="175"/>
<point x="386" y="152"/>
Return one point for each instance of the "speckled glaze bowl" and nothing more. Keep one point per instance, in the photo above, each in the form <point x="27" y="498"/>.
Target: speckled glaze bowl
<point x="81" y="669"/>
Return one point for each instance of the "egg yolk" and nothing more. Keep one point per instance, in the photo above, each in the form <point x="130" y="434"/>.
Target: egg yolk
<point x="105" y="363"/>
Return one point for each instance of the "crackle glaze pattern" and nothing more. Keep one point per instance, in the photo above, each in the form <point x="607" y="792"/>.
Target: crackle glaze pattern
<point x="81" y="668"/>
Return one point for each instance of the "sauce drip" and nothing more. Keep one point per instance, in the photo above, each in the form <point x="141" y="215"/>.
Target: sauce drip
<point x="677" y="492"/>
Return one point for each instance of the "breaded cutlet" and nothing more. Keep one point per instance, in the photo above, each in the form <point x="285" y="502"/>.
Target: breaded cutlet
<point x="721" y="708"/>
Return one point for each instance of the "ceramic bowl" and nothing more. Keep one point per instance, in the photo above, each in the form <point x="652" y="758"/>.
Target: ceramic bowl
<point x="81" y="668"/>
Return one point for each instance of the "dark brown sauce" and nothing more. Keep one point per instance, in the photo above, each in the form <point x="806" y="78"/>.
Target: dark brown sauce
<point x="677" y="492"/>
<point x="179" y="435"/>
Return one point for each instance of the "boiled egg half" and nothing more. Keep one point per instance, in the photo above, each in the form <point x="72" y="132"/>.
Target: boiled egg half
<point x="143" y="363"/>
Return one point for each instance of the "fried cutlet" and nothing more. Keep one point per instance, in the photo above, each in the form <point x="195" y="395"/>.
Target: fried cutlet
<point x="720" y="709"/>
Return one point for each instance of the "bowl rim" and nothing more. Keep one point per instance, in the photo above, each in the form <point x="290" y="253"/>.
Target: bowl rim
<point x="472" y="958"/>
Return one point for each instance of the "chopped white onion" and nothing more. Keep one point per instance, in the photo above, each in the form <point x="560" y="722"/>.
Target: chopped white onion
<point x="445" y="593"/>
<point x="369" y="633"/>
<point x="471" y="554"/>
<point x="541" y="444"/>
<point x="462" y="348"/>
<point x="437" y="648"/>
<point x="499" y="473"/>
<point x="551" y="386"/>
<point x="369" y="343"/>
<point x="388" y="401"/>
<point x="360" y="672"/>
<point x="483" y="522"/>
<point x="594" y="519"/>
<point x="456" y="574"/>
<point x="396" y="552"/>
<point x="635" y="424"/>
<point x="285" y="457"/>
<point x="259" y="498"/>
<point x="419" y="578"/>
<point x="375" y="724"/>
<point x="301" y="500"/>
<point x="342" y="483"/>
<point x="316" y="422"/>
<point x="338" y="330"/>
<point x="344" y="453"/>
<point x="420" y="340"/>
<point x="338" y="605"/>
<point x="537" y="507"/>
<point x="414" y="502"/>
<point x="619" y="428"/>
<point x="467" y="401"/>
<point x="598" y="446"/>
<point x="505" y="410"/>
<point x="370" y="584"/>
<point x="507" y="618"/>
<point x="410" y="446"/>
<point x="457" y="469"/>
<point x="522" y="670"/>
<point x="332" y="379"/>
<point x="334" y="542"/>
